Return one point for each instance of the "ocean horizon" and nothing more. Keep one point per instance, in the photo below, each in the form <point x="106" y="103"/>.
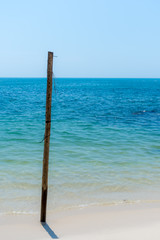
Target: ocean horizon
<point x="104" y="147"/>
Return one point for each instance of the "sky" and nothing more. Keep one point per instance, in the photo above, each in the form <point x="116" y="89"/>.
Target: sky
<point x="91" y="38"/>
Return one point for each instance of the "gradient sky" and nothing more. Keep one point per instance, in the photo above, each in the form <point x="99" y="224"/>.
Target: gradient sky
<point x="92" y="38"/>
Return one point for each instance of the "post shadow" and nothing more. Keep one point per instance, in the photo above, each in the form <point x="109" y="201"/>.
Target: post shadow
<point x="49" y="230"/>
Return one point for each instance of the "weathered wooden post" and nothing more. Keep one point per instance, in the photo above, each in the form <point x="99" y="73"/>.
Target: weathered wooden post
<point x="46" y="138"/>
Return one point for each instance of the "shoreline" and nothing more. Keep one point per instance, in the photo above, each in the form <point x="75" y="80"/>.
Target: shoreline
<point x="139" y="221"/>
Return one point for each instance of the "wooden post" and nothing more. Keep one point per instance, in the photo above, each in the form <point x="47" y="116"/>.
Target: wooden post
<point x="47" y="138"/>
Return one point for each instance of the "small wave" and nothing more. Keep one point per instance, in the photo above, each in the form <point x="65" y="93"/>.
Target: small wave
<point x="109" y="204"/>
<point x="19" y="213"/>
<point x="145" y="111"/>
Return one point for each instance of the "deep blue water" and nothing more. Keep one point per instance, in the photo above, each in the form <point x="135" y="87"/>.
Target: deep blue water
<point x="105" y="142"/>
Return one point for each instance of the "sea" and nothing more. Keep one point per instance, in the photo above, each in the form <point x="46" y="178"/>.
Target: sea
<point x="104" y="145"/>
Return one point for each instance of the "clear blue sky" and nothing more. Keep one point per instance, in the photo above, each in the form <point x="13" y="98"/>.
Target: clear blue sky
<point x="92" y="38"/>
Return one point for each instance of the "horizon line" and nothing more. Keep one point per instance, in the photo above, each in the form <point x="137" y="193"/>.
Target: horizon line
<point x="84" y="77"/>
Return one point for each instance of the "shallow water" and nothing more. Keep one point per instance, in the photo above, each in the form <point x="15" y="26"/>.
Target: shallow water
<point x="105" y="142"/>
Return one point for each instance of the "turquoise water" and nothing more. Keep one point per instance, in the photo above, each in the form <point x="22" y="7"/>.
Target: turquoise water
<point x="105" y="143"/>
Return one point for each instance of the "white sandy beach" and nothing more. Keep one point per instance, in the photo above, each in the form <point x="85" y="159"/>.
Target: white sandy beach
<point x="140" y="222"/>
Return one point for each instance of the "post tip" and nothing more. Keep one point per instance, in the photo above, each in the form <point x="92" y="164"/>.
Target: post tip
<point x="49" y="52"/>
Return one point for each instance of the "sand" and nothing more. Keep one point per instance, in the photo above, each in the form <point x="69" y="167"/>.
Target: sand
<point x="126" y="222"/>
